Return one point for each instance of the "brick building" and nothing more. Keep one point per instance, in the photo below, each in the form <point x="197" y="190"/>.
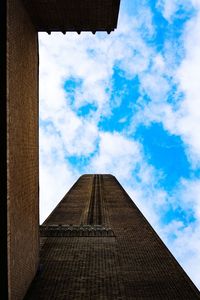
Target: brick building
<point x="96" y="245"/>
<point x="20" y="122"/>
<point x="90" y="246"/>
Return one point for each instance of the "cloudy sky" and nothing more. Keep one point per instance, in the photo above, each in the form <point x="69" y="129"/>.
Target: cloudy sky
<point x="128" y="104"/>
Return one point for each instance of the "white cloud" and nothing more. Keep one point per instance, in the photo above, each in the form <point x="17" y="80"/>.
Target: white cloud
<point x="56" y="176"/>
<point x="117" y="155"/>
<point x="181" y="116"/>
<point x="155" y="86"/>
<point x="183" y="238"/>
<point x="185" y="244"/>
<point x="188" y="75"/>
<point x="190" y="195"/>
<point x="169" y="8"/>
<point x="52" y="188"/>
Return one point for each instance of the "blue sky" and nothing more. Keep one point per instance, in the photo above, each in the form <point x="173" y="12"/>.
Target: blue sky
<point x="128" y="103"/>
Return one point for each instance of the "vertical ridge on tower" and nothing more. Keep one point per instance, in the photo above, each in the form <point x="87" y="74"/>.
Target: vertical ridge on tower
<point x="96" y="244"/>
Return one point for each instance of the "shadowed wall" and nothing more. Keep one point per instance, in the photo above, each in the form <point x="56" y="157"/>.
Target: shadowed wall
<point x="22" y="145"/>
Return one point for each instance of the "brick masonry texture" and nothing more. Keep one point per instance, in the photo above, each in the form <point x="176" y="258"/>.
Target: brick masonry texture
<point x="22" y="147"/>
<point x="79" y="260"/>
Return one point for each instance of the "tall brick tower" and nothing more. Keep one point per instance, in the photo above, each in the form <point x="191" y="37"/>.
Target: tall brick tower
<point x="96" y="244"/>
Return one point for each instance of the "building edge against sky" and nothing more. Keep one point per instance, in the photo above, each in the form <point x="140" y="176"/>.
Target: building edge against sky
<point x="24" y="20"/>
<point x="22" y="149"/>
<point x="96" y="244"/>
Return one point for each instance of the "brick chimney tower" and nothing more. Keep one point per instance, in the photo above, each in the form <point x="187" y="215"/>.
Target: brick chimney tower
<point x="96" y="244"/>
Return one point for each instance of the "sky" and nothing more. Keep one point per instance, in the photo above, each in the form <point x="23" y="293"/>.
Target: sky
<point x="128" y="104"/>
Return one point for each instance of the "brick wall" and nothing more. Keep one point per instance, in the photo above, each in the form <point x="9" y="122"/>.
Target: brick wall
<point x="22" y="122"/>
<point x="120" y="259"/>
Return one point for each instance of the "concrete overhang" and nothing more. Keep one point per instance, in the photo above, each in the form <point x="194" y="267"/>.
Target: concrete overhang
<point x="73" y="15"/>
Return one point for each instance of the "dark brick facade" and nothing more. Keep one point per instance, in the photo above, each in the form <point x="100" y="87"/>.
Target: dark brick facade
<point x="96" y="245"/>
<point x="22" y="149"/>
